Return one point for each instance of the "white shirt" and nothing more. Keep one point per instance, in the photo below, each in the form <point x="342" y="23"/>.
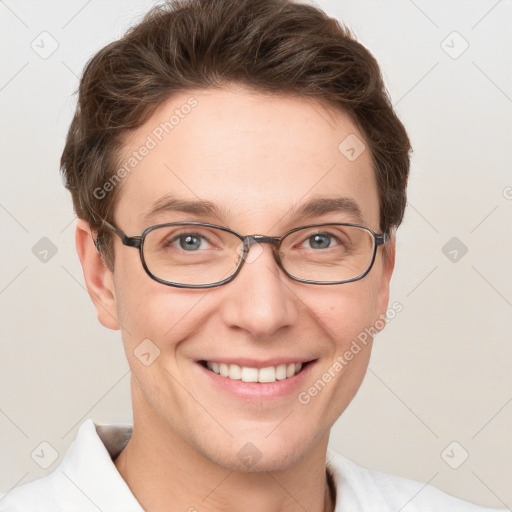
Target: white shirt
<point x="87" y="480"/>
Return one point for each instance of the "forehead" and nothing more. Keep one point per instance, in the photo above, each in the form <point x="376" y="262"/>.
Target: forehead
<point x="259" y="158"/>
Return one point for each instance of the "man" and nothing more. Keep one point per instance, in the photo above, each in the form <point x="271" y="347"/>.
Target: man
<point x="206" y="123"/>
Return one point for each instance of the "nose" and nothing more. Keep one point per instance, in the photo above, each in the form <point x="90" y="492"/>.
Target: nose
<point x="260" y="300"/>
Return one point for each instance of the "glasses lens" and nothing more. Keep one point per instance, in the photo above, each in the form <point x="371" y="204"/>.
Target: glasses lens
<point x="191" y="254"/>
<point x="328" y="253"/>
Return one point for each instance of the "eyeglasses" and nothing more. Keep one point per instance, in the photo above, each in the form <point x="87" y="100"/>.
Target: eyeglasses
<point x="202" y="255"/>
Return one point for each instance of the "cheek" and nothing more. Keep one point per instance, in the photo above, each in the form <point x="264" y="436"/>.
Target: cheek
<point x="345" y="312"/>
<point x="150" y="310"/>
<point x="346" y="317"/>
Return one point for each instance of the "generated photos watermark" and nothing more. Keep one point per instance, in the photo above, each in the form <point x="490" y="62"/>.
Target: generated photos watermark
<point x="152" y="140"/>
<point x="305" y="396"/>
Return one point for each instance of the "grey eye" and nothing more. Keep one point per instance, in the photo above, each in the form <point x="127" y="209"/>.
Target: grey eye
<point x="190" y="242"/>
<point x="319" y="241"/>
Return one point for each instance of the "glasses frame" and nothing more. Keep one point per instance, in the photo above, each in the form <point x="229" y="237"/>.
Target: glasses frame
<point x="248" y="241"/>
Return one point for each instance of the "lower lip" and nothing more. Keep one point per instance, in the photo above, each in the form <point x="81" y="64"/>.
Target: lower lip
<point x="258" y="390"/>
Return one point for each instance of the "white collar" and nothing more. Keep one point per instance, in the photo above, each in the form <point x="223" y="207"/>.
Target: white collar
<point x="87" y="480"/>
<point x="89" y="465"/>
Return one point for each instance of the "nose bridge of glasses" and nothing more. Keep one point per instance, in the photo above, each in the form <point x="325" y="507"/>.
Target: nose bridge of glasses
<point x="251" y="240"/>
<point x="260" y="239"/>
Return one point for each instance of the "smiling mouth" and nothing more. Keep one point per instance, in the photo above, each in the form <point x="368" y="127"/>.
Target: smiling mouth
<point x="249" y="374"/>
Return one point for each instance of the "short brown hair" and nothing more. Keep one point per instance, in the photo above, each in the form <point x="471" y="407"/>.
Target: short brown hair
<point x="271" y="46"/>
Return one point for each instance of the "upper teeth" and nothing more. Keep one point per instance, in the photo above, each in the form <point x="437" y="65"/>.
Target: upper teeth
<point x="247" y="374"/>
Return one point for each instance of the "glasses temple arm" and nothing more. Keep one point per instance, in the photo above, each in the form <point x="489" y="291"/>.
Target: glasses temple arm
<point x="131" y="241"/>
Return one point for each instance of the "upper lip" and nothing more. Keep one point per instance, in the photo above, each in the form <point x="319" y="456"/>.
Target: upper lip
<point x="254" y="363"/>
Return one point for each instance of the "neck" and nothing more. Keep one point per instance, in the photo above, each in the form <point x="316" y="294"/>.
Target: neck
<point x="161" y="469"/>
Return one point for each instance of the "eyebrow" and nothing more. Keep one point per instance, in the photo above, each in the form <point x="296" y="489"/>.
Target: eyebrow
<point x="324" y="205"/>
<point x="314" y="207"/>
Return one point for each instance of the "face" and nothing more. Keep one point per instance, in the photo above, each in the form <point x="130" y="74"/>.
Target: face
<point x="258" y="159"/>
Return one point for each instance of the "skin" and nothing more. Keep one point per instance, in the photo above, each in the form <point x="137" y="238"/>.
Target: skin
<point x="256" y="156"/>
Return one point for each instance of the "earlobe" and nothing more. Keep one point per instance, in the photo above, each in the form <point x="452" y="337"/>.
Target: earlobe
<point x="98" y="278"/>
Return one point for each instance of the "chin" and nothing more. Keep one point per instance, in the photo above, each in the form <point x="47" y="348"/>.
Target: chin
<point x="260" y="456"/>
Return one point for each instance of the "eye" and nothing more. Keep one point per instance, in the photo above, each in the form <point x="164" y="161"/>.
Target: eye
<point x="321" y="240"/>
<point x="190" y="242"/>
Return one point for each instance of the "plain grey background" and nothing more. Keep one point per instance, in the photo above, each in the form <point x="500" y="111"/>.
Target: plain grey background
<point x="436" y="403"/>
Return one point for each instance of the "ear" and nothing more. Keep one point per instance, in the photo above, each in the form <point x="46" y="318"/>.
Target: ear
<point x="98" y="278"/>
<point x="387" y="264"/>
